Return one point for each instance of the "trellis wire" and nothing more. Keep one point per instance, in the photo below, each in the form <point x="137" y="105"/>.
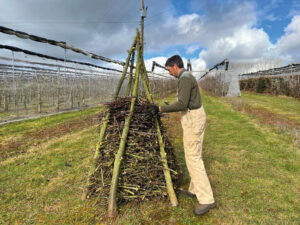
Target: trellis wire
<point x="289" y="70"/>
<point x="57" y="43"/>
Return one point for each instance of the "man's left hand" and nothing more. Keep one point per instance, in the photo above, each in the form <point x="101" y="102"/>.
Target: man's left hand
<point x="153" y="109"/>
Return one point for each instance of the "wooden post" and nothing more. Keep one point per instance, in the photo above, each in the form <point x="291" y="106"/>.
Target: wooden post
<point x="112" y="202"/>
<point x="142" y="26"/>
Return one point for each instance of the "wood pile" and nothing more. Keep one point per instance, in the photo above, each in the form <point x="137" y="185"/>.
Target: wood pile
<point x="141" y="176"/>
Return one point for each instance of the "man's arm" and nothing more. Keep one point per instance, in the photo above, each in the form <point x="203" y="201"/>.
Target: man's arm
<point x="184" y="93"/>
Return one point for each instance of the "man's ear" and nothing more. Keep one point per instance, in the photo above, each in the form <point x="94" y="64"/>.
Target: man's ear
<point x="175" y="66"/>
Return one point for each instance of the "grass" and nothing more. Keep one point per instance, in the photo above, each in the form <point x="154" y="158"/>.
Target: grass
<point x="283" y="105"/>
<point x="19" y="128"/>
<point x="19" y="136"/>
<point x="32" y="109"/>
<point x="253" y="170"/>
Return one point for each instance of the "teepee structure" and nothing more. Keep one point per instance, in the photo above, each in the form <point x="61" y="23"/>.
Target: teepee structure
<point x="132" y="91"/>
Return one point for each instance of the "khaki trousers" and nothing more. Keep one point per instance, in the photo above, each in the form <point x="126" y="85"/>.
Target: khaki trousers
<point x="193" y="125"/>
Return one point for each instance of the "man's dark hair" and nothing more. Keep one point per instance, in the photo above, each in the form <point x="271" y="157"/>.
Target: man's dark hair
<point x="174" y="59"/>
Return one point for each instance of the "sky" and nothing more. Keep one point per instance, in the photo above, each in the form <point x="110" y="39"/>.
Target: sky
<point x="205" y="31"/>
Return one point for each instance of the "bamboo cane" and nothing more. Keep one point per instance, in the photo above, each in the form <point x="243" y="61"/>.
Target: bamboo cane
<point x="163" y="154"/>
<point x="104" y="123"/>
<point x="112" y="203"/>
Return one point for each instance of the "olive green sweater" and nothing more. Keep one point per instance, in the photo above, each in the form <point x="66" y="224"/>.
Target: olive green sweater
<point x="188" y="94"/>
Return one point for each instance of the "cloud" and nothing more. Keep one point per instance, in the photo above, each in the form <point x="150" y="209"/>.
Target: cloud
<point x="189" y="23"/>
<point x="198" y="65"/>
<point x="192" y="48"/>
<point x="229" y="30"/>
<point x="160" y="60"/>
<point x="104" y="27"/>
<point x="218" y="20"/>
<point x="289" y="44"/>
<point x="220" y="29"/>
<point x="271" y="17"/>
<point x="295" y="9"/>
<point x="245" y="44"/>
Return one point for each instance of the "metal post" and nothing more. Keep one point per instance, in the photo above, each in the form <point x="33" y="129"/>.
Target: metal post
<point x="90" y="87"/>
<point x="14" y="83"/>
<point x="58" y="88"/>
<point x="65" y="79"/>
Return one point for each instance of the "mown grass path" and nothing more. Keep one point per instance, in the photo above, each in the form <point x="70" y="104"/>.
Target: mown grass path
<point x="254" y="173"/>
<point x="286" y="106"/>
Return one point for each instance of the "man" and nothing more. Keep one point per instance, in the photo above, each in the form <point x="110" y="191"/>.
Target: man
<point x="193" y="120"/>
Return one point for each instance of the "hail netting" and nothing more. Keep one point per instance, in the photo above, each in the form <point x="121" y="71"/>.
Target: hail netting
<point x="141" y="176"/>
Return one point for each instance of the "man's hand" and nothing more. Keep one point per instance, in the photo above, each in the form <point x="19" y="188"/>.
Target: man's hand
<point x="153" y="109"/>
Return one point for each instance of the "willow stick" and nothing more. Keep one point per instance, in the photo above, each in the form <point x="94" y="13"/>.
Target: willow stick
<point x="130" y="74"/>
<point x="146" y="77"/>
<point x="104" y="124"/>
<point x="163" y="154"/>
<point x="125" y="68"/>
<point x="112" y="202"/>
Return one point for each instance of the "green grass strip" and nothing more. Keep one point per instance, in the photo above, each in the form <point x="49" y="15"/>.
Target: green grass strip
<point x="286" y="106"/>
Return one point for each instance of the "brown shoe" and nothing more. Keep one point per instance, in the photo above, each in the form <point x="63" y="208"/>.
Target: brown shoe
<point x="187" y="193"/>
<point x="201" y="209"/>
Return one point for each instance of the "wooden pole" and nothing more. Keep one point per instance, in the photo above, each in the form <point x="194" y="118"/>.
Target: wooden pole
<point x="142" y="25"/>
<point x="112" y="201"/>
<point x="163" y="154"/>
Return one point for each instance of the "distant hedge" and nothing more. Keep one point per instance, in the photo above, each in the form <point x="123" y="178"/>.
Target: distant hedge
<point x="288" y="85"/>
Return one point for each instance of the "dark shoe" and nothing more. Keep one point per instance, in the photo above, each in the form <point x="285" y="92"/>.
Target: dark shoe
<point x="201" y="209"/>
<point x="187" y="193"/>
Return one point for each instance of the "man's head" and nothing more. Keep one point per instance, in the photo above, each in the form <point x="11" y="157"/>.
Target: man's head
<point x="174" y="64"/>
